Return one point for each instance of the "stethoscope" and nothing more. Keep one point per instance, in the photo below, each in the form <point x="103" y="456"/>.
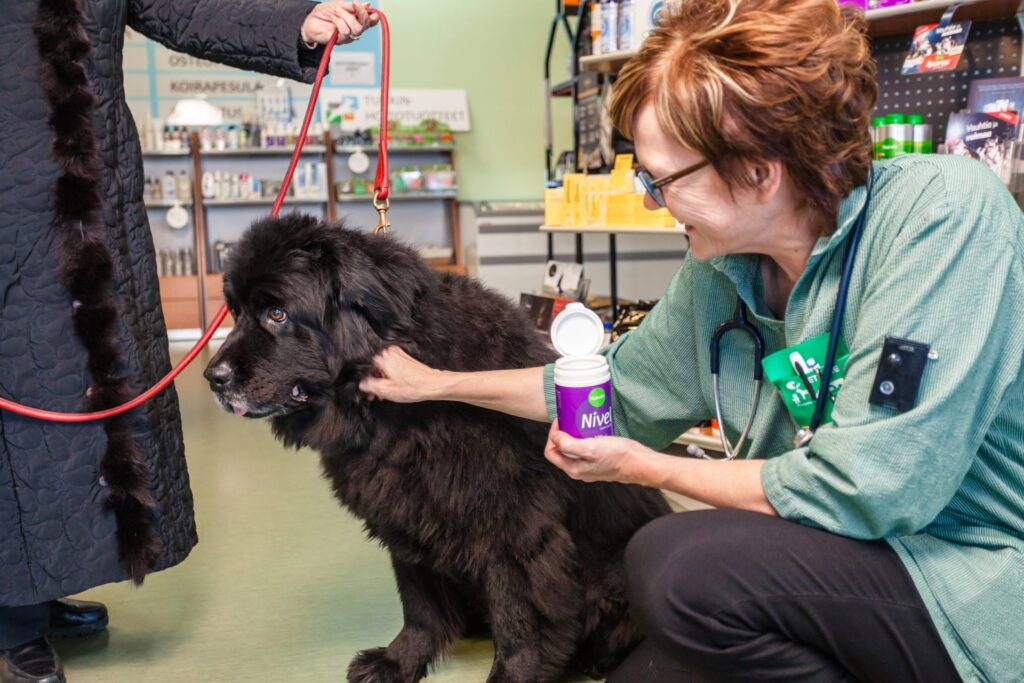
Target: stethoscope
<point x="741" y="322"/>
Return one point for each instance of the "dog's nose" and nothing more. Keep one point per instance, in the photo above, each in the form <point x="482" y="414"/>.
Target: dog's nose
<point x="219" y="375"/>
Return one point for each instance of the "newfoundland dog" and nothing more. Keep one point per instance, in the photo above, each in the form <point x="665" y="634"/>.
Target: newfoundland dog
<point x="483" y="532"/>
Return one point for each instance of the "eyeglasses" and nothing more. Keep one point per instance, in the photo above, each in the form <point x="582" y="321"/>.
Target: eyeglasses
<point x="653" y="186"/>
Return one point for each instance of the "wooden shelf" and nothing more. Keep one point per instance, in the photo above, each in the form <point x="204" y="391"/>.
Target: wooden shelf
<point x="456" y="268"/>
<point x="608" y="63"/>
<point x="397" y="197"/>
<point x="397" y="149"/>
<point x="563" y="89"/>
<point x="248" y="152"/>
<point x="702" y="438"/>
<point x="168" y="203"/>
<point x="613" y="230"/>
<point x="263" y="201"/>
<point x="179" y="296"/>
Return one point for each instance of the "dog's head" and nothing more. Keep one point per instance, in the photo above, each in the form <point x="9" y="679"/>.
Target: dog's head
<point x="312" y="303"/>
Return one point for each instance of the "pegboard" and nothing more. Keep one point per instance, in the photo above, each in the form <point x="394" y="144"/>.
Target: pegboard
<point x="993" y="51"/>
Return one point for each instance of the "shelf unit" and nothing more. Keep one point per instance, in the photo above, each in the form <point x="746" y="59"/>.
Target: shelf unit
<point x="191" y="301"/>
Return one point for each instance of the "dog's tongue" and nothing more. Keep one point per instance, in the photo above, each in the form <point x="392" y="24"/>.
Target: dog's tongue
<point x="238" y="410"/>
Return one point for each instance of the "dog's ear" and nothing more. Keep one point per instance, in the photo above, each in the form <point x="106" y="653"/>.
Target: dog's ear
<point x="373" y="302"/>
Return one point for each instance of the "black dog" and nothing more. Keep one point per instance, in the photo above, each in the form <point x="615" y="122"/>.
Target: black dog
<point x="482" y="531"/>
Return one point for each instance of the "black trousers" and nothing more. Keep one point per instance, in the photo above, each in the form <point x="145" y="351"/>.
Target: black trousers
<point x="20" y="625"/>
<point x="725" y="595"/>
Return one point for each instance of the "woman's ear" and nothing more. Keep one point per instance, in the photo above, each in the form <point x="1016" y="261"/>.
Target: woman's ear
<point x="765" y="177"/>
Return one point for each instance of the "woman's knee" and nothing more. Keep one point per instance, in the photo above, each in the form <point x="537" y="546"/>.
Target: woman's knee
<point x="676" y="567"/>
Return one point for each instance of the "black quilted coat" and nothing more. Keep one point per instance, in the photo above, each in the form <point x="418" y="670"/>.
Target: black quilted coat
<point x="80" y="320"/>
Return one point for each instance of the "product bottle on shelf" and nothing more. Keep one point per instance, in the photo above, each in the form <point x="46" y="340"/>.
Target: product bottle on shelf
<point x="206" y="139"/>
<point x="609" y="26"/>
<point x="898" y="137"/>
<point x="184" y="187"/>
<point x="878" y="135"/>
<point x="922" y="134"/>
<point x="626" y="19"/>
<point x="170" y="186"/>
<point x="209" y="189"/>
<point x="595" y="27"/>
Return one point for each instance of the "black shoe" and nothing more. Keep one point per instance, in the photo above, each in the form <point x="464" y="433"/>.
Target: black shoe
<point x="74" y="618"/>
<point x="34" y="662"/>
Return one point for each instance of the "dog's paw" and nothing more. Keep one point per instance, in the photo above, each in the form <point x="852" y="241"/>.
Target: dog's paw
<point x="374" y="666"/>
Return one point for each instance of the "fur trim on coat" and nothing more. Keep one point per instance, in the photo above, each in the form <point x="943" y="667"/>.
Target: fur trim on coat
<point x="87" y="270"/>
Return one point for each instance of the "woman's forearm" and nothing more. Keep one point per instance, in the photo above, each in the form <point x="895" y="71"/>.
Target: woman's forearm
<point x="515" y="392"/>
<point x="735" y="484"/>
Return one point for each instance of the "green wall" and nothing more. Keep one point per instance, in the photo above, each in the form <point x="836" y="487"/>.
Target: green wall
<point x="494" y="51"/>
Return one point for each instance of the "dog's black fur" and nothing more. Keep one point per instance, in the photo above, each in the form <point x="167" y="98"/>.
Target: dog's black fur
<point x="481" y="529"/>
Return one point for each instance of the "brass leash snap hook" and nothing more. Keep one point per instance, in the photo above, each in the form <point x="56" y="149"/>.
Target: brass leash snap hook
<point x="382" y="214"/>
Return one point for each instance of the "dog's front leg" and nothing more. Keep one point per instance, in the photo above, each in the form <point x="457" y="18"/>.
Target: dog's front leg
<point x="435" y="616"/>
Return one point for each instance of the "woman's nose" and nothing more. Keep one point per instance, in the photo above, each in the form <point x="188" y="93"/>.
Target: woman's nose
<point x="649" y="202"/>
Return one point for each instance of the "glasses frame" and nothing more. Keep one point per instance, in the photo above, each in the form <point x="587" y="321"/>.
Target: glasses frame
<point x="654" y="185"/>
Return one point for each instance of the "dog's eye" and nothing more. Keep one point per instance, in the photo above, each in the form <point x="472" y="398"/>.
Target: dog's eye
<point x="277" y="315"/>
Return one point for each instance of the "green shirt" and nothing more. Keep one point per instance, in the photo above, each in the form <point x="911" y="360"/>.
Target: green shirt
<point x="940" y="262"/>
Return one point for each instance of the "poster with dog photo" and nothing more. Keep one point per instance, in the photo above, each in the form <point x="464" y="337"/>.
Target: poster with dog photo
<point x="936" y="48"/>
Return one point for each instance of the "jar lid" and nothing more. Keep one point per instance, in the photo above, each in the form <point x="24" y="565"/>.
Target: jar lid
<point x="915" y="119"/>
<point x="895" y="118"/>
<point x="577" y="331"/>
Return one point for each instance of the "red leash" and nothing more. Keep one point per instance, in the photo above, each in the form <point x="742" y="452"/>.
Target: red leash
<point x="380" y="202"/>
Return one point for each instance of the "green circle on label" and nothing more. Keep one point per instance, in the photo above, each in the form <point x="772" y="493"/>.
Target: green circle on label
<point x="597" y="397"/>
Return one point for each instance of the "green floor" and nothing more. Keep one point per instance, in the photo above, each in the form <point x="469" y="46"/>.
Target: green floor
<point x="283" y="586"/>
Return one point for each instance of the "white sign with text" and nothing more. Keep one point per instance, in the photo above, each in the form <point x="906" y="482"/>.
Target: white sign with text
<point x="357" y="108"/>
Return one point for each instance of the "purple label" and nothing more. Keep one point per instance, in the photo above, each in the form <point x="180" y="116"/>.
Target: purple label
<point x="584" y="412"/>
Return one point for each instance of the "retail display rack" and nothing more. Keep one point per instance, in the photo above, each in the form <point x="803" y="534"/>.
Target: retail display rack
<point x="190" y="300"/>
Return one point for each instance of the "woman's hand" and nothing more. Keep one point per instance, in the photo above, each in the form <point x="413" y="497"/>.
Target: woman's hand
<point x="602" y="458"/>
<point x="400" y="378"/>
<point x="349" y="19"/>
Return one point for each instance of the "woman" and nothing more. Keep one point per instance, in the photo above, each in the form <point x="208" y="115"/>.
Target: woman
<point x="891" y="547"/>
<point x="84" y="505"/>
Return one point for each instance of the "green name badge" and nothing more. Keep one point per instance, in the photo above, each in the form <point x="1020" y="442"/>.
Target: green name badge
<point x="796" y="373"/>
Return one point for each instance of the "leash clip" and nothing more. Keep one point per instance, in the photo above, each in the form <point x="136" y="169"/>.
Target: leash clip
<point x="382" y="206"/>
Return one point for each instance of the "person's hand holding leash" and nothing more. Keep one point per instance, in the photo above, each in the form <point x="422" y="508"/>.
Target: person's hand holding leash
<point x="602" y="458"/>
<point x="349" y="19"/>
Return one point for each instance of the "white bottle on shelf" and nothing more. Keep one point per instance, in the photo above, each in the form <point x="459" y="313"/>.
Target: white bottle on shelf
<point x="609" y="26"/>
<point x="169" y="187"/>
<point x="209" y="186"/>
